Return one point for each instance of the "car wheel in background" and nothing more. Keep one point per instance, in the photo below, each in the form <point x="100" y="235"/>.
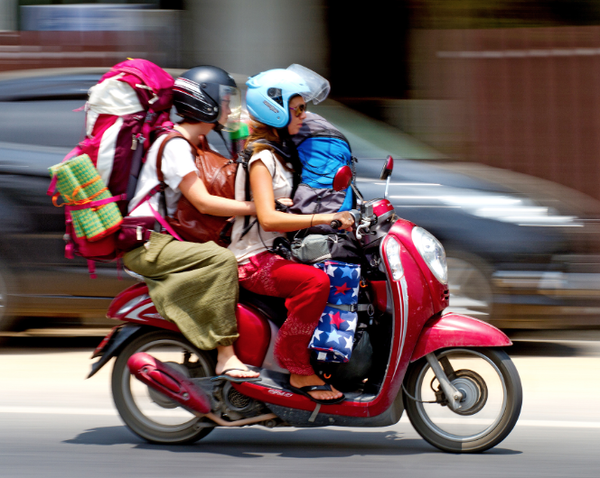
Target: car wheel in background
<point x="469" y="284"/>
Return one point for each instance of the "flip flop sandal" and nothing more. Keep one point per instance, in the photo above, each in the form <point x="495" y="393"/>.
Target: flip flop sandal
<point x="317" y="388"/>
<point x="229" y="378"/>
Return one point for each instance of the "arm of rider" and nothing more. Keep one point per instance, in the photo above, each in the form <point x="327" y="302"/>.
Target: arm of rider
<point x="192" y="187"/>
<point x="270" y="219"/>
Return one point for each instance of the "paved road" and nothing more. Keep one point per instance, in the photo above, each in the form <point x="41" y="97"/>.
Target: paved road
<point x="54" y="423"/>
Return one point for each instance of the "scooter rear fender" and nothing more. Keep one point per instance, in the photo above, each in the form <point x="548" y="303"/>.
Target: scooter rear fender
<point x="456" y="330"/>
<point x="112" y="344"/>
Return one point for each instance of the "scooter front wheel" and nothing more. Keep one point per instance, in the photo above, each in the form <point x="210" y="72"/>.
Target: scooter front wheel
<point x="147" y="412"/>
<point x="490" y="407"/>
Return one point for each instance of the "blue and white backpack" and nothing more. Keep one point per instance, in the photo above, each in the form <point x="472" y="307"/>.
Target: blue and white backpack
<point x="322" y="150"/>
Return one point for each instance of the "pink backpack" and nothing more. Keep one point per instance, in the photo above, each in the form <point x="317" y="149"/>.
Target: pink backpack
<point x="126" y="110"/>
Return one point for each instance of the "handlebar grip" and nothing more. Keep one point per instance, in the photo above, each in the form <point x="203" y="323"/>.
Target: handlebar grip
<point x="336" y="224"/>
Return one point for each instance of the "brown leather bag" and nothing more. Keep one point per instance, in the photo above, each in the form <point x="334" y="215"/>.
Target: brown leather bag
<point x="218" y="175"/>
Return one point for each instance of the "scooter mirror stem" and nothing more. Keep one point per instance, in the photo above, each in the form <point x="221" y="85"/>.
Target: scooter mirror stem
<point x="358" y="195"/>
<point x="387" y="186"/>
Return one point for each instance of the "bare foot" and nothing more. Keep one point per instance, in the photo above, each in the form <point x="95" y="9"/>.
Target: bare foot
<point x="300" y="381"/>
<point x="228" y="362"/>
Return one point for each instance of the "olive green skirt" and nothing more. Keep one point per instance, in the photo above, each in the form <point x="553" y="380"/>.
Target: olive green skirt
<point x="193" y="285"/>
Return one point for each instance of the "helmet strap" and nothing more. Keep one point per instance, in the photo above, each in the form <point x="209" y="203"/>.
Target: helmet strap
<point x="220" y="133"/>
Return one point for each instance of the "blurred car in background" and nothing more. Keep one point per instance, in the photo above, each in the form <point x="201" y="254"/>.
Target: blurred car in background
<point x="522" y="253"/>
<point x="37" y="128"/>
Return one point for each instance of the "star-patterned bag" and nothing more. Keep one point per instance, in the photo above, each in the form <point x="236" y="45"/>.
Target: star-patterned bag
<point x="334" y="336"/>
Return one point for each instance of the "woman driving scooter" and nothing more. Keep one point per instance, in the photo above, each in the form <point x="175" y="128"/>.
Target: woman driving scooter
<point x="194" y="285"/>
<point x="276" y="101"/>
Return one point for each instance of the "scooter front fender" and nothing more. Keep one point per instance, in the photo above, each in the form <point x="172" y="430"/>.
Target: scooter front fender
<point x="456" y="330"/>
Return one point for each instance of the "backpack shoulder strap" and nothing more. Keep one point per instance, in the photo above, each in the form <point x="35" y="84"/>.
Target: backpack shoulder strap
<point x="161" y="177"/>
<point x="244" y="159"/>
<point x="277" y="147"/>
<point x="203" y="145"/>
<point x="161" y="150"/>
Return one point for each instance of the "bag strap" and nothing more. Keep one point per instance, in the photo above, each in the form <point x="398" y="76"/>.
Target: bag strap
<point x="159" y="173"/>
<point x="160" y="219"/>
<point x="164" y="223"/>
<point x="163" y="201"/>
<point x="334" y="134"/>
<point x="244" y="159"/>
<point x="98" y="203"/>
<point x="172" y="134"/>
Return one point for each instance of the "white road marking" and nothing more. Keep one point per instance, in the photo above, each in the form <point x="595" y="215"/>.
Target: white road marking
<point x="557" y="424"/>
<point x="85" y="411"/>
<point x="112" y="412"/>
<point x="57" y="411"/>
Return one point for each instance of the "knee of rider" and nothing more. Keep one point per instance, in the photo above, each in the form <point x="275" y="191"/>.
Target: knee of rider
<point x="320" y="282"/>
<point x="226" y="260"/>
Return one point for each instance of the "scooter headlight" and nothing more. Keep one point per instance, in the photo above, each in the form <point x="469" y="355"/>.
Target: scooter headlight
<point x="432" y="252"/>
<point x="392" y="252"/>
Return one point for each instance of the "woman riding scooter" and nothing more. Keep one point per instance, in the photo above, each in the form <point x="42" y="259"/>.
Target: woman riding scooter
<point x="194" y="285"/>
<point x="276" y="101"/>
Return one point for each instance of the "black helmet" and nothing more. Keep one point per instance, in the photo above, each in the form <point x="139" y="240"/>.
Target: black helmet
<point x="198" y="94"/>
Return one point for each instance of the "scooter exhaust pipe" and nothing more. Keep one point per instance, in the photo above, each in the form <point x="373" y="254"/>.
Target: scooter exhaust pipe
<point x="170" y="382"/>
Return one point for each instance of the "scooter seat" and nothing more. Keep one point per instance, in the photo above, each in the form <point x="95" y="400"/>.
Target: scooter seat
<point x="272" y="307"/>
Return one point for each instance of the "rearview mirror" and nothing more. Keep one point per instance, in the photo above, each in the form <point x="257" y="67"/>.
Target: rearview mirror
<point x="388" y="167"/>
<point x="343" y="178"/>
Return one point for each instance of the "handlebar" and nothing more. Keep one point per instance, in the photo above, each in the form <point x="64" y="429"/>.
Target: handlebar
<point x="356" y="215"/>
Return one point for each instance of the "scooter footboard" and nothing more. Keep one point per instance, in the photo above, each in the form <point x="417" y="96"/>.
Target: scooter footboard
<point x="457" y="330"/>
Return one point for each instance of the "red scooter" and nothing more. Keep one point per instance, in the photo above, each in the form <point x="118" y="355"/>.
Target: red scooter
<point x="460" y="390"/>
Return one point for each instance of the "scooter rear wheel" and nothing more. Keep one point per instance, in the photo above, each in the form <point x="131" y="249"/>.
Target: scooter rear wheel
<point x="492" y="398"/>
<point x="148" y="413"/>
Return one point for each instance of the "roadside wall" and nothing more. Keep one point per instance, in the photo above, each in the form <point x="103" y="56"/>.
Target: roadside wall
<point x="52" y="49"/>
<point x="527" y="100"/>
<point x="90" y="35"/>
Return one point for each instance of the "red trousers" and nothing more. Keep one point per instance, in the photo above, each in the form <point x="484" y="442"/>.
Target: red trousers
<point x="305" y="289"/>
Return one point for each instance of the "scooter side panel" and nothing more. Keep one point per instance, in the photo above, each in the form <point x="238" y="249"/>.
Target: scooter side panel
<point x="439" y="292"/>
<point x="456" y="330"/>
<point x="127" y="300"/>
<point x="303" y="418"/>
<point x="278" y="394"/>
<point x="134" y="305"/>
<point x="255" y="335"/>
<point x="412" y="306"/>
<point x="410" y="300"/>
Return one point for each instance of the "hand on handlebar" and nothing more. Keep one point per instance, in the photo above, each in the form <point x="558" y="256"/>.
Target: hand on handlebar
<point x="343" y="220"/>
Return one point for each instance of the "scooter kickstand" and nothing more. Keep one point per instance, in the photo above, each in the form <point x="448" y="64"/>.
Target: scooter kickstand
<point x="314" y="414"/>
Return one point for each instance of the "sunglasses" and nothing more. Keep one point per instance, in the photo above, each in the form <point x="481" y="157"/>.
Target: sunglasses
<point x="298" y="110"/>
